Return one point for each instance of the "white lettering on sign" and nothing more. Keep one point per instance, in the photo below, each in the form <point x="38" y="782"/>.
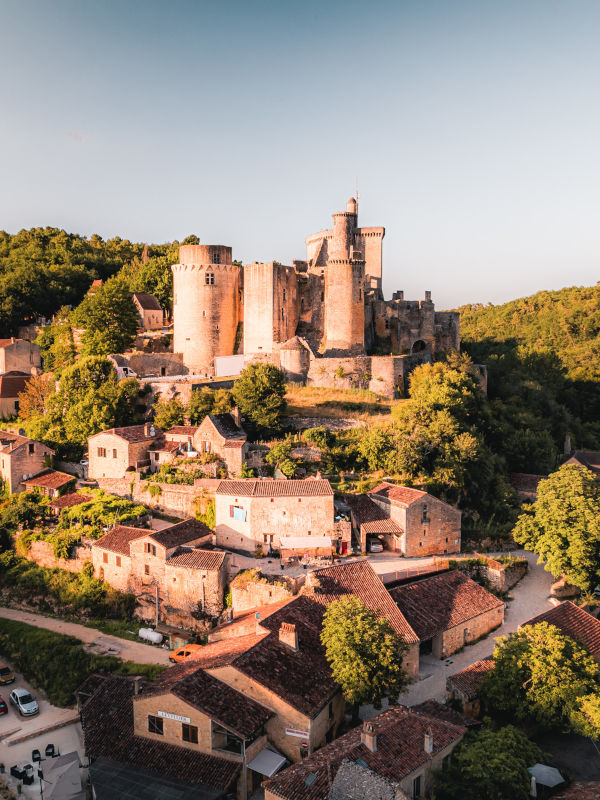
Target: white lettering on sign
<point x="176" y="717"/>
<point x="294" y="732"/>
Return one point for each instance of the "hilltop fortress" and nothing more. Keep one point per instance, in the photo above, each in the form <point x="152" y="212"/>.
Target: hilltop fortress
<point x="323" y="320"/>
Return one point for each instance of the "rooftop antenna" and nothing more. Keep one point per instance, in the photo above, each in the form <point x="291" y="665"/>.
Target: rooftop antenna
<point x="357" y="194"/>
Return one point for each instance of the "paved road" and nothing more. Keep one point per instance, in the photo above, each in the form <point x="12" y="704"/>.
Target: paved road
<point x="128" y="651"/>
<point x="530" y="597"/>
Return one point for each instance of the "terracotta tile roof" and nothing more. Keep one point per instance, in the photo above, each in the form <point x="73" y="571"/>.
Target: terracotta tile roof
<point x="525" y="482"/>
<point x="359" y="578"/>
<point x="580" y="790"/>
<point x="198" y="559"/>
<point x="400" y="751"/>
<point x="133" y="433"/>
<point x="50" y="479"/>
<point x="436" y="604"/>
<point x="224" y="652"/>
<point x="182" y="532"/>
<point x="119" y="539"/>
<point x="353" y="781"/>
<point x="230" y="708"/>
<point x="235" y="443"/>
<point x="364" y="509"/>
<point x="165" y="447"/>
<point x="586" y="458"/>
<point x="468" y="680"/>
<point x="255" y="487"/>
<point x="402" y="495"/>
<point x="303" y="678"/>
<point x="13" y="383"/>
<point x="182" y="430"/>
<point x="574" y="622"/>
<point x="147" y="301"/>
<point x="226" y="426"/>
<point x="68" y="501"/>
<point x="6" y="342"/>
<point x="431" y="708"/>
<point x="107" y="723"/>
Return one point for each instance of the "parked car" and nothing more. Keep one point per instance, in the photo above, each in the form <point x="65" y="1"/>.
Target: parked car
<point x="6" y="675"/>
<point x="23" y="701"/>
<point x="125" y="372"/>
<point x="183" y="653"/>
<point x="3" y="706"/>
<point x="375" y="546"/>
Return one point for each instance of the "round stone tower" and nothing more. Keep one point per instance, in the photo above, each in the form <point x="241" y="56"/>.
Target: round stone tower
<point x="344" y="287"/>
<point x="206" y="305"/>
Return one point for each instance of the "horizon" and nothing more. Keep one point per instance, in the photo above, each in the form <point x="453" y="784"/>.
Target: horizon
<point x="471" y="128"/>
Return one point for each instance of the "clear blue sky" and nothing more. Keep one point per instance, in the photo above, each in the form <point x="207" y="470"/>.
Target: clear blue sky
<point x="473" y="129"/>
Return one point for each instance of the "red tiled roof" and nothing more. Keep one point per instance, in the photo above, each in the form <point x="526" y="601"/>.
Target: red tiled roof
<point x="6" y="342"/>
<point x="574" y="622"/>
<point x="224" y="652"/>
<point x="198" y="559"/>
<point x="431" y="708"/>
<point x="119" y="539"/>
<point x="226" y="426"/>
<point x="107" y="723"/>
<point x="360" y="579"/>
<point x="235" y="443"/>
<point x="69" y="500"/>
<point x="50" y="479"/>
<point x="468" y="680"/>
<point x="586" y="458"/>
<point x="526" y="482"/>
<point x="436" y="604"/>
<point x="165" y="447"/>
<point x="182" y="532"/>
<point x="182" y="430"/>
<point x="147" y="301"/>
<point x="403" y="495"/>
<point x="580" y="790"/>
<point x="254" y="487"/>
<point x="13" y="383"/>
<point x="370" y="517"/>
<point x="133" y="433"/>
<point x="221" y="702"/>
<point x="400" y="751"/>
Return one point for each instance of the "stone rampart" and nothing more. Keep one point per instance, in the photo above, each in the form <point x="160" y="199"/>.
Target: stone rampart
<point x="42" y="554"/>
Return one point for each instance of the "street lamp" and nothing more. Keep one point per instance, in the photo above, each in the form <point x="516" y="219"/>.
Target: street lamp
<point x="42" y="782"/>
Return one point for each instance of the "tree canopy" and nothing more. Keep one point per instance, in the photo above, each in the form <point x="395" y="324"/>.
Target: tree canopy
<point x="563" y="525"/>
<point x="259" y="393"/>
<point x="364" y="651"/>
<point x="109" y="318"/>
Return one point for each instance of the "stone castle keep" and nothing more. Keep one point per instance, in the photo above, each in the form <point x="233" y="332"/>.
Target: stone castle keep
<point x="323" y="320"/>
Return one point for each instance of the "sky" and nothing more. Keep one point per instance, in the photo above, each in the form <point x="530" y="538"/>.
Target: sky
<point x="472" y="128"/>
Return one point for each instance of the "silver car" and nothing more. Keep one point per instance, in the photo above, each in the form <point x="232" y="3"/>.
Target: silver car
<point x="24" y="702"/>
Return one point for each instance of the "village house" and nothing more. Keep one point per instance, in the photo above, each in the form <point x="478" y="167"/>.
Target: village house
<point x="149" y="310"/>
<point x="20" y="459"/>
<point x="574" y="622"/>
<point x="219" y="434"/>
<point x="463" y="686"/>
<point x="176" y="567"/>
<point x="409" y="521"/>
<point x="57" y="504"/>
<point x="115" y="452"/>
<point x="448" y="611"/>
<point x="526" y="485"/>
<point x="50" y="483"/>
<point x="400" y="746"/>
<point x="586" y="458"/>
<point x="263" y="515"/>
<point x="20" y="355"/>
<point x="11" y="385"/>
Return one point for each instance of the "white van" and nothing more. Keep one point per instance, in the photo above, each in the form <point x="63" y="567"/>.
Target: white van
<point x="125" y="372"/>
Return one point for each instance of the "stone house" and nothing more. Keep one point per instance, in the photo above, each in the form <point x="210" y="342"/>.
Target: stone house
<point x="573" y="621"/>
<point x="51" y="483"/>
<point x="401" y="746"/>
<point x="448" y="611"/>
<point x="20" y="459"/>
<point x="149" y="310"/>
<point x="410" y="521"/>
<point x="220" y="434"/>
<point x="11" y="385"/>
<point x="115" y="452"/>
<point x="464" y="686"/>
<point x="586" y="458"/>
<point x="20" y="355"/>
<point x="176" y="567"/>
<point x="57" y="504"/>
<point x="256" y="514"/>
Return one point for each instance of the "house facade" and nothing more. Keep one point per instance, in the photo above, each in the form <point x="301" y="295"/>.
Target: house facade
<point x="149" y="311"/>
<point x="20" y="355"/>
<point x="115" y="452"/>
<point x="20" y="459"/>
<point x="51" y="483"/>
<point x="11" y="385"/>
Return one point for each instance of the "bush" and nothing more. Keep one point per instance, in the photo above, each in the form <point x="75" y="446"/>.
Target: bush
<point x="57" y="664"/>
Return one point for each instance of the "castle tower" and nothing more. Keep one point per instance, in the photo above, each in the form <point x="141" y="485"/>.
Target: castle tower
<point x="344" y="286"/>
<point x="206" y="305"/>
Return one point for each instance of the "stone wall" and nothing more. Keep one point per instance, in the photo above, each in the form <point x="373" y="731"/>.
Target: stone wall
<point x="180" y="500"/>
<point x="384" y="375"/>
<point x="454" y="639"/>
<point x="254" y="594"/>
<point x="43" y="555"/>
<point x="152" y="365"/>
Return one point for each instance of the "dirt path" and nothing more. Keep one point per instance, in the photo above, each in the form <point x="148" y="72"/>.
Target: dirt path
<point x="126" y="650"/>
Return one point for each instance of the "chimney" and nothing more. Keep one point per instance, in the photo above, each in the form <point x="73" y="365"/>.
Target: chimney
<point x="235" y="413"/>
<point x="288" y="635"/>
<point x="428" y="747"/>
<point x="428" y="297"/>
<point x="368" y="737"/>
<point x="137" y="684"/>
<point x="567" y="447"/>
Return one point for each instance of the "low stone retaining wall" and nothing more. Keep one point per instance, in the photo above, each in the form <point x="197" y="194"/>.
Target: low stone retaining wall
<point x="179" y="500"/>
<point x="42" y="554"/>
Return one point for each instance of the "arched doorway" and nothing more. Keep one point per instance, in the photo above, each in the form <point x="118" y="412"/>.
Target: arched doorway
<point x="419" y="346"/>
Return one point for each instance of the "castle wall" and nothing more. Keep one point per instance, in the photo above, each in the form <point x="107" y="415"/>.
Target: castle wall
<point x="271" y="306"/>
<point x="206" y="305"/>
<point x="344" y="306"/>
<point x="369" y="241"/>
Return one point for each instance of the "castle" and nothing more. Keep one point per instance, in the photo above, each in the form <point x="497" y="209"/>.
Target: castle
<point x="323" y="320"/>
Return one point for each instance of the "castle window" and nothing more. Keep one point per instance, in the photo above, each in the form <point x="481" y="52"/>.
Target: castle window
<point x="322" y="296"/>
<point x="209" y="278"/>
<point x="284" y="294"/>
<point x="360" y="294"/>
<point x="146" y="570"/>
<point x="282" y="314"/>
<point x="216" y="257"/>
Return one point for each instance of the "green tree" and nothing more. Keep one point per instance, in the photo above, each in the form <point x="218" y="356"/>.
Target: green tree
<point x="321" y="437"/>
<point x="364" y="651"/>
<point x="280" y="456"/>
<point x="33" y="400"/>
<point x="490" y="765"/>
<point x="563" y="525"/>
<point x="540" y="675"/>
<point x="57" y="343"/>
<point x="585" y="718"/>
<point x="168" y="413"/>
<point x="109" y="318"/>
<point x="201" y="403"/>
<point x="259" y="392"/>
